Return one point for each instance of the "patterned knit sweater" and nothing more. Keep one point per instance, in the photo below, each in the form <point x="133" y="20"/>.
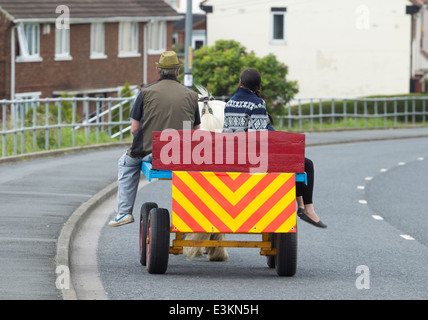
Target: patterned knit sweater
<point x="245" y="111"/>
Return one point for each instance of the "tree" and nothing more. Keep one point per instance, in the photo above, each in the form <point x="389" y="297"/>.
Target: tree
<point x="218" y="68"/>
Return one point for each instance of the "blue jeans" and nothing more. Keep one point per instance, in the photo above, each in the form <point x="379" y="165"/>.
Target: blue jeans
<point x="128" y="178"/>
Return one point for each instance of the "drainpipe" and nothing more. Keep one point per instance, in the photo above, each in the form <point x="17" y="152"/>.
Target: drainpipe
<point x="411" y="10"/>
<point x="12" y="63"/>
<point x="145" y="44"/>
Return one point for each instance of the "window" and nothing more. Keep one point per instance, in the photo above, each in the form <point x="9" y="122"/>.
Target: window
<point x="128" y="39"/>
<point x="62" y="44"/>
<point x="28" y="95"/>
<point x="157" y="37"/>
<point x="278" y="25"/>
<point x="24" y="107"/>
<point x="29" y="42"/>
<point x="97" y="41"/>
<point x="198" y="39"/>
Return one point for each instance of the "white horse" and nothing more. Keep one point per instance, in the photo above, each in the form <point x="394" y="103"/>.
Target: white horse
<point x="212" y="118"/>
<point x="211" y="110"/>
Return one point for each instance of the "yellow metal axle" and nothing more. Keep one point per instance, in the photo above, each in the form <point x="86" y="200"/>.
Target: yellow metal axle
<point x="265" y="245"/>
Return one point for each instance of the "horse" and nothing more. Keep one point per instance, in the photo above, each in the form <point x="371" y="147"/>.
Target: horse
<point x="211" y="110"/>
<point x="212" y="118"/>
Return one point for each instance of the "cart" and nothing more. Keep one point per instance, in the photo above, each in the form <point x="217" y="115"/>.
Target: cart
<point x="224" y="197"/>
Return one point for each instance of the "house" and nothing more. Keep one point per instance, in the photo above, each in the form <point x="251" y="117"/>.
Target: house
<point x="181" y="6"/>
<point x="83" y="48"/>
<point x="198" y="38"/>
<point x="418" y="10"/>
<point x="333" y="48"/>
<point x="198" y="32"/>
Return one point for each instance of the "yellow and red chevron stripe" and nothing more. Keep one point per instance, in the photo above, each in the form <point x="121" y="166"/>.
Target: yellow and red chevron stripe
<point x="233" y="202"/>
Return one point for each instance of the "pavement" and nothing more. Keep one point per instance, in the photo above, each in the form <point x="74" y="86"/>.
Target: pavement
<point x="47" y="199"/>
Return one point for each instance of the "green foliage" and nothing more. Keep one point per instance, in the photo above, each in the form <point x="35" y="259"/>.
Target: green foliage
<point x="218" y="68"/>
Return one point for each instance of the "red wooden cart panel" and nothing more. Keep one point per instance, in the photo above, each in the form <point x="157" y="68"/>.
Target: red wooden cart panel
<point x="254" y="152"/>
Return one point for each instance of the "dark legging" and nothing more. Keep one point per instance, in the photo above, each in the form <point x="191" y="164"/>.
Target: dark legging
<point x="306" y="190"/>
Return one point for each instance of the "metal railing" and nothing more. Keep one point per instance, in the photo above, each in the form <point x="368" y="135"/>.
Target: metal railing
<point x="53" y="123"/>
<point x="325" y="114"/>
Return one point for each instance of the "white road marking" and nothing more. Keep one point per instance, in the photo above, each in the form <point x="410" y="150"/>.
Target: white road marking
<point x="407" y="237"/>
<point x="360" y="187"/>
<point x="376" y="217"/>
<point x="362" y="201"/>
<point x="383" y="170"/>
<point x="368" y="178"/>
<point x="401" y="163"/>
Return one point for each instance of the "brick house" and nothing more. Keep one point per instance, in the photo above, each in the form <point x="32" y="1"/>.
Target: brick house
<point x="198" y="32"/>
<point x="107" y="43"/>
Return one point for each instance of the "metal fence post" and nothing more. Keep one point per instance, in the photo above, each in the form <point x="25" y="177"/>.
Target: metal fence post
<point x="86" y="107"/>
<point x="73" y="122"/>
<point x="311" y="113"/>
<point x="22" y="114"/>
<point x="423" y="110"/>
<point x="97" y="112"/>
<point x="34" y="126"/>
<point x="15" y="128"/>
<point x="59" y="123"/>
<point x="47" y="125"/>
<point x="4" y="105"/>
<point x="375" y="112"/>
<point x="345" y="119"/>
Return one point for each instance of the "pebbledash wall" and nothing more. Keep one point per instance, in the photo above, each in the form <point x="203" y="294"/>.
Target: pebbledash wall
<point x="81" y="73"/>
<point x="333" y="48"/>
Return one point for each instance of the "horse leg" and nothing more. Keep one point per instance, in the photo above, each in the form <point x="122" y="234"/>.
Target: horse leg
<point x="194" y="252"/>
<point x="217" y="253"/>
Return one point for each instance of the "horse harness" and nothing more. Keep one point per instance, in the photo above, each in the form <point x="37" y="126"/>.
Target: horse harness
<point x="206" y="107"/>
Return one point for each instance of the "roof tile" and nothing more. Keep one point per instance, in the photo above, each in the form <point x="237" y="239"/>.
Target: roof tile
<point x="45" y="9"/>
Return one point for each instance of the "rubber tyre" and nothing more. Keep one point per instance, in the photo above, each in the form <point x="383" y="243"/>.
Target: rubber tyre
<point x="286" y="257"/>
<point x="270" y="260"/>
<point x="157" y="249"/>
<point x="144" y="216"/>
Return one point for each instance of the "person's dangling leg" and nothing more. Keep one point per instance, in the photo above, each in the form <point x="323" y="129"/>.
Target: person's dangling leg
<point x="304" y="195"/>
<point x="128" y="179"/>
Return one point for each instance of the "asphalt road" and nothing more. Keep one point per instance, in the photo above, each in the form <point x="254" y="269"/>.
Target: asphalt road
<point x="38" y="196"/>
<point x="373" y="197"/>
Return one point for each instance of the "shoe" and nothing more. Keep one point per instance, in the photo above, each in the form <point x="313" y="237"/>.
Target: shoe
<point x="121" y="219"/>
<point x="301" y="214"/>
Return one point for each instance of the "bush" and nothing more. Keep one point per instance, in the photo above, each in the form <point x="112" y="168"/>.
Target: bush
<point x="218" y="69"/>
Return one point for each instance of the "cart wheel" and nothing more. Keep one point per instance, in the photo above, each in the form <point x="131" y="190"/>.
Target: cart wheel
<point x="270" y="260"/>
<point x="157" y="249"/>
<point x="286" y="257"/>
<point x="144" y="215"/>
